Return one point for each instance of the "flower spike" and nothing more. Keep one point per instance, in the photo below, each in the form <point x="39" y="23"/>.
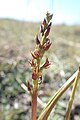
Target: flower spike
<point x="42" y="45"/>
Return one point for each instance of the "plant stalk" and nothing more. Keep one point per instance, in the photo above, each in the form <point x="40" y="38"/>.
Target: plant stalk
<point x="67" y="117"/>
<point x="34" y="104"/>
<point x="46" y="111"/>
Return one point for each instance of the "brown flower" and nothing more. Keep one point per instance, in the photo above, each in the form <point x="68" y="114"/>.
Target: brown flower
<point x="42" y="30"/>
<point x="47" y="31"/>
<point x="32" y="63"/>
<point x="28" y="86"/>
<point x="47" y="44"/>
<point x="46" y="64"/>
<point x="34" y="75"/>
<point x="35" y="54"/>
<point x="49" y="25"/>
<point x="44" y="22"/>
<point x="37" y="40"/>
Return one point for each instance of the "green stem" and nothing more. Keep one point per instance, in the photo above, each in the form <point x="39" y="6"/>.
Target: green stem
<point x="72" y="97"/>
<point x="46" y="111"/>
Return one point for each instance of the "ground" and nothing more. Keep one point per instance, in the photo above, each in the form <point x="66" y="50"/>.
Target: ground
<point x="17" y="39"/>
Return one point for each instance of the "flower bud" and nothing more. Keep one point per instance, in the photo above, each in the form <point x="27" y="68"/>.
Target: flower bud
<point x="42" y="30"/>
<point x="49" y="25"/>
<point x="44" y="22"/>
<point x="46" y="64"/>
<point x="49" y="16"/>
<point x="47" y="45"/>
<point x="47" y="31"/>
<point x="34" y="75"/>
<point x="28" y="86"/>
<point x="35" y="54"/>
<point x="37" y="40"/>
<point x="32" y="63"/>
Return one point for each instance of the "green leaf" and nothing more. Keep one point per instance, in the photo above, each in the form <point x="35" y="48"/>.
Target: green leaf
<point x="46" y="111"/>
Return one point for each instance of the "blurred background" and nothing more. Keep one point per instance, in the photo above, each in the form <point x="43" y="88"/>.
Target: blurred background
<point x="19" y="23"/>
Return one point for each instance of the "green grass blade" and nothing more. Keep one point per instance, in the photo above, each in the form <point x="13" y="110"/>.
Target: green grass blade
<point x="46" y="111"/>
